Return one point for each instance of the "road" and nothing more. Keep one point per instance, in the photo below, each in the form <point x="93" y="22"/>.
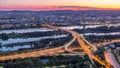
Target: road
<point x="107" y="42"/>
<point x="56" y="51"/>
<point x="69" y="31"/>
<point x="83" y="44"/>
<point x="44" y="52"/>
<point x="68" y="44"/>
<point x="53" y="51"/>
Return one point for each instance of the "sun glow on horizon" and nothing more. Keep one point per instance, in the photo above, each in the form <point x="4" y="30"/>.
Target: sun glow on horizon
<point x="37" y="4"/>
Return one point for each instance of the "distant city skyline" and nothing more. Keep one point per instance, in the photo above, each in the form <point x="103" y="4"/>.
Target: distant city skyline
<point x="59" y="4"/>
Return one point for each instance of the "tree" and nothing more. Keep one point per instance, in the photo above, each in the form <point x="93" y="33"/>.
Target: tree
<point x="0" y="45"/>
<point x="4" y="36"/>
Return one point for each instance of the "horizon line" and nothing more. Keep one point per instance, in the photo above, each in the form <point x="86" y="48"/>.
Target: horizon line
<point x="53" y="8"/>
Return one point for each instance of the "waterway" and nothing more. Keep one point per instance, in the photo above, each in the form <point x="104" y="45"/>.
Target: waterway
<point x="45" y="29"/>
<point x="22" y="40"/>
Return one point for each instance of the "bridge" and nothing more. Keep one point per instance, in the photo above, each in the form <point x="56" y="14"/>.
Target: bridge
<point x="82" y="42"/>
<point x="84" y="45"/>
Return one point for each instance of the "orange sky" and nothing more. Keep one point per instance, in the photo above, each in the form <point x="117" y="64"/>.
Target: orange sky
<point x="37" y="4"/>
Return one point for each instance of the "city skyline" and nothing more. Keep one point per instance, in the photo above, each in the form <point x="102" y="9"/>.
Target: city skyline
<point x="59" y="5"/>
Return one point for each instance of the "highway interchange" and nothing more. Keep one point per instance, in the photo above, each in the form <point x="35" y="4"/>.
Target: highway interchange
<point x="86" y="46"/>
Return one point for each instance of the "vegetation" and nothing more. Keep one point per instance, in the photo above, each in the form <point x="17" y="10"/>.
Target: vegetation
<point x="48" y="61"/>
<point x="0" y="45"/>
<point x="4" y="36"/>
<point x="102" y="29"/>
<point x="41" y="44"/>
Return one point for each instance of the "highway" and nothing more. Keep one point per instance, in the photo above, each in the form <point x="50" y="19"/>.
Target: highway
<point x="93" y="46"/>
<point x="45" y="52"/>
<point x="106" y="42"/>
<point x="69" y="31"/>
<point x="83" y="44"/>
<point x="53" y="51"/>
<point x="68" y="44"/>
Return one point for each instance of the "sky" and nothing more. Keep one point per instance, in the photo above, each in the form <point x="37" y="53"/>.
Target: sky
<point x="58" y="4"/>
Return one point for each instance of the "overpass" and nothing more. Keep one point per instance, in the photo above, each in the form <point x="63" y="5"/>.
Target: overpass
<point x="45" y="52"/>
<point x="58" y="50"/>
<point x="82" y="42"/>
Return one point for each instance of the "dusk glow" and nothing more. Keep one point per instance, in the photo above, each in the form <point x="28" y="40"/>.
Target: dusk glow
<point x="59" y="33"/>
<point x="51" y="4"/>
